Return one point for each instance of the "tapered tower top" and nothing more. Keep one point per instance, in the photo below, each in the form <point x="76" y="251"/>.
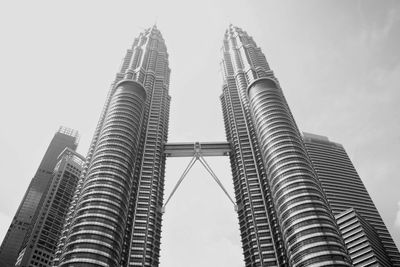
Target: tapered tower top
<point x="242" y="55"/>
<point x="148" y="54"/>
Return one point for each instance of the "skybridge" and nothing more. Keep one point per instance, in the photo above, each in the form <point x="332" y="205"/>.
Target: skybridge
<point x="197" y="151"/>
<point x="191" y="149"/>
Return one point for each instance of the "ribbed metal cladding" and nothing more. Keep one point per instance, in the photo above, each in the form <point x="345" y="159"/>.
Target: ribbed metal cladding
<point x="242" y="62"/>
<point x="101" y="213"/>
<point x="120" y="76"/>
<point x="145" y="62"/>
<point x="309" y="231"/>
<point x="149" y="65"/>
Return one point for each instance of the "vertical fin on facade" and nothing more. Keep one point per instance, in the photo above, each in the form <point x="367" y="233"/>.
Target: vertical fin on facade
<point x="271" y="234"/>
<point x="126" y="160"/>
<point x="261" y="241"/>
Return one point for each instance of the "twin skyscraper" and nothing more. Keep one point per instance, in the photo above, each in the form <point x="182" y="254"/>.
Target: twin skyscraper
<point x="299" y="199"/>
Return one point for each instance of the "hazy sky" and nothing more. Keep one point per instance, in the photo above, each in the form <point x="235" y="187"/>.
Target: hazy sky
<point x="338" y="63"/>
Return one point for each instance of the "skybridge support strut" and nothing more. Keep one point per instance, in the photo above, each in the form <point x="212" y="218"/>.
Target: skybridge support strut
<point x="189" y="166"/>
<point x="197" y="151"/>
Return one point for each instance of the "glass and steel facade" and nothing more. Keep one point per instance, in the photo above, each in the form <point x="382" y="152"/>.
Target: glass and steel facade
<point x="283" y="215"/>
<point x="363" y="243"/>
<point x="286" y="216"/>
<point x="151" y="60"/>
<point x="261" y="238"/>
<point x="99" y="223"/>
<point x="40" y="245"/>
<point x="345" y="190"/>
<point x="115" y="216"/>
<point x="27" y="212"/>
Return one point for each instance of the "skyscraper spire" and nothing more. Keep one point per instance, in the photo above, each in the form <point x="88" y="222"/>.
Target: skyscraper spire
<point x="285" y="219"/>
<point x="115" y="218"/>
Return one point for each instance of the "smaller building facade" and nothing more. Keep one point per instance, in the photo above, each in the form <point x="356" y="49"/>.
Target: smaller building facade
<point x="345" y="190"/>
<point x="363" y="243"/>
<point x="41" y="242"/>
<point x="28" y="210"/>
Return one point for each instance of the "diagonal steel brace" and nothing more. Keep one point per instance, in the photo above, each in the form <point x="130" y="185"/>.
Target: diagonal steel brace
<point x="198" y="156"/>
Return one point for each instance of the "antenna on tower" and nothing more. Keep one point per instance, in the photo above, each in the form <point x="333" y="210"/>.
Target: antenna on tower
<point x="155" y="22"/>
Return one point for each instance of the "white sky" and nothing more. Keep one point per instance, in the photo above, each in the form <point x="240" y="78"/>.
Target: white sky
<point x="337" y="61"/>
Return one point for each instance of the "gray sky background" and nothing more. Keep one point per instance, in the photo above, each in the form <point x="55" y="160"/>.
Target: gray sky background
<point x="338" y="63"/>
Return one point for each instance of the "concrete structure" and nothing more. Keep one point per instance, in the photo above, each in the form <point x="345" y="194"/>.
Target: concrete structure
<point x="27" y="212"/>
<point x="345" y="190"/>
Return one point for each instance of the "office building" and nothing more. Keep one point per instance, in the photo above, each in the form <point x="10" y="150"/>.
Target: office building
<point x="40" y="245"/>
<point x="115" y="217"/>
<point x="283" y="215"/>
<point x="350" y="202"/>
<point x="26" y="214"/>
<point x="363" y="243"/>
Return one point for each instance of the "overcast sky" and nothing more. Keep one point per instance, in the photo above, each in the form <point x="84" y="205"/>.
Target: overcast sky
<point x="338" y="63"/>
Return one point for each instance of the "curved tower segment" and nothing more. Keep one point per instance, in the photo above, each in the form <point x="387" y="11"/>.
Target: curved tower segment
<point x="283" y="215"/>
<point x="310" y="234"/>
<point x="242" y="63"/>
<point x="115" y="217"/>
<point x="149" y="63"/>
<point x="101" y="213"/>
